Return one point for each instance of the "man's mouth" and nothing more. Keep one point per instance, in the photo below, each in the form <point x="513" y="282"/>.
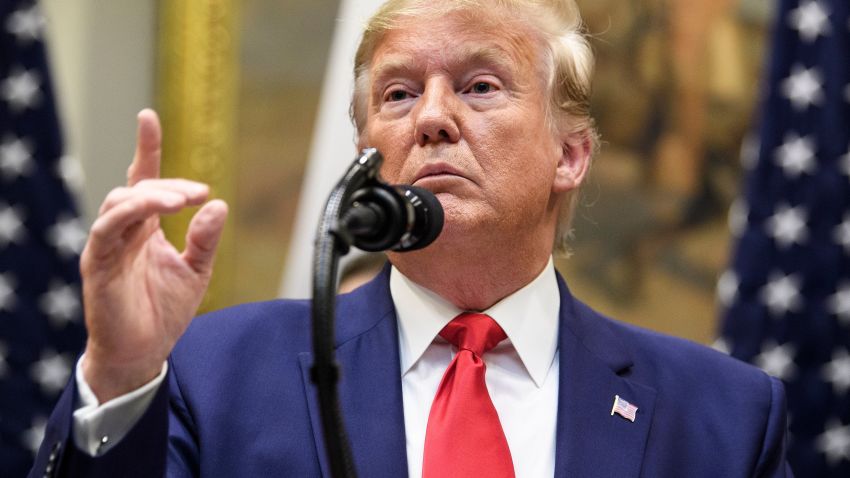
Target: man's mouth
<point x="436" y="171"/>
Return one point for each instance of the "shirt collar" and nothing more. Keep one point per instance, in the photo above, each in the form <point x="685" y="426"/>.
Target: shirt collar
<point x="529" y="318"/>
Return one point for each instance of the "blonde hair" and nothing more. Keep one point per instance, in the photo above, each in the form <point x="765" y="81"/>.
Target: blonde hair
<point x="568" y="62"/>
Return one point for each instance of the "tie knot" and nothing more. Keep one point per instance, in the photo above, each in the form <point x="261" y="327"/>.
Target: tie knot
<point x="477" y="333"/>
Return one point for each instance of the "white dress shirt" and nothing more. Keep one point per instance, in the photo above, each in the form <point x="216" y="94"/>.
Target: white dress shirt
<point x="522" y="375"/>
<point x="522" y="371"/>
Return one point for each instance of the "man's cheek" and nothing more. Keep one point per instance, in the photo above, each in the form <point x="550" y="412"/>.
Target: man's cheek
<point x="391" y="170"/>
<point x="397" y="167"/>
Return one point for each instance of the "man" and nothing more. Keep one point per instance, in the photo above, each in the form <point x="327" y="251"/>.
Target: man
<point x="484" y="103"/>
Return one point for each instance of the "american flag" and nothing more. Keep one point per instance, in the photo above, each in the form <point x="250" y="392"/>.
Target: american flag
<point x="786" y="295"/>
<point x="41" y="329"/>
<point x="624" y="409"/>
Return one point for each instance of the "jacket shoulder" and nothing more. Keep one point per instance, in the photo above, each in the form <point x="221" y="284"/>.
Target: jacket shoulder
<point x="246" y="321"/>
<point x="707" y="404"/>
<point x="679" y="360"/>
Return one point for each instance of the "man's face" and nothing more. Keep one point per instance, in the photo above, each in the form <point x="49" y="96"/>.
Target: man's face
<point x="458" y="108"/>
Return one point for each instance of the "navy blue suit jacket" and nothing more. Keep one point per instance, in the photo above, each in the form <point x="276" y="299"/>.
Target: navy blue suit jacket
<point x="239" y="401"/>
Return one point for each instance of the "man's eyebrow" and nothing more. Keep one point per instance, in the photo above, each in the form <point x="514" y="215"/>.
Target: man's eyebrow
<point x="393" y="65"/>
<point x="485" y="56"/>
<point x="467" y="55"/>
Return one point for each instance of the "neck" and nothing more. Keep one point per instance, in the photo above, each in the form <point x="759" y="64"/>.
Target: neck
<point x="472" y="279"/>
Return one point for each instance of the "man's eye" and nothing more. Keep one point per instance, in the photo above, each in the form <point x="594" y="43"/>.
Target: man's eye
<point x="397" y="95"/>
<point x="481" y="88"/>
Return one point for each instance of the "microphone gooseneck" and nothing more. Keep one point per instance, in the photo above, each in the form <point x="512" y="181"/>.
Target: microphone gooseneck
<point x="365" y="212"/>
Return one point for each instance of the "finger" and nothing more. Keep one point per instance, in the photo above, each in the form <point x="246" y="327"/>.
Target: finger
<point x="203" y="236"/>
<point x="194" y="192"/>
<point x="109" y="227"/>
<point x="187" y="186"/>
<point x="148" y="147"/>
<point x="116" y="196"/>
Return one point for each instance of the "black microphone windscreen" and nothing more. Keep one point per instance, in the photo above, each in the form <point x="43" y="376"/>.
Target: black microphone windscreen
<point x="428" y="223"/>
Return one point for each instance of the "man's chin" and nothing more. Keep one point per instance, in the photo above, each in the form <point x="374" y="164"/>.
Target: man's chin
<point x="461" y="222"/>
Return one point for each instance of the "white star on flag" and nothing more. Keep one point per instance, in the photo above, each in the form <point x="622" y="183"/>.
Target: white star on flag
<point x="796" y="155"/>
<point x="51" y="372"/>
<point x="782" y="294"/>
<point x="67" y="236"/>
<point x="7" y="291"/>
<point x="15" y="157"/>
<point x="788" y="226"/>
<point x="70" y="170"/>
<point x="60" y="303"/>
<point x="4" y="367"/>
<point x="810" y="19"/>
<point x="777" y="360"/>
<point x="727" y="287"/>
<point x="837" y="372"/>
<point x="21" y="90"/>
<point x="11" y="225"/>
<point x="803" y="87"/>
<point x="841" y="233"/>
<point x="739" y="212"/>
<point x="835" y="442"/>
<point x="839" y="303"/>
<point x="32" y="437"/>
<point x="722" y="345"/>
<point x="26" y="24"/>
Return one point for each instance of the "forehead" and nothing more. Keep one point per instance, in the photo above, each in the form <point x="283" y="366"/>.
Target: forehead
<point x="464" y="38"/>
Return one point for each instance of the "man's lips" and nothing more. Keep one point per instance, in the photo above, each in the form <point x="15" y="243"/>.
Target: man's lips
<point x="437" y="170"/>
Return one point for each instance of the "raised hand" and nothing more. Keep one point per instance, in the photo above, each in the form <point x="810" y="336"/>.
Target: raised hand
<point x="139" y="292"/>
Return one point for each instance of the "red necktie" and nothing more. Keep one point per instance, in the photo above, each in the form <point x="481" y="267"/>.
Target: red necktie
<point x="464" y="437"/>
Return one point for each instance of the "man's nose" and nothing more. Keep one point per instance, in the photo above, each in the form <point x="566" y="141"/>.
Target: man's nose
<point x="436" y="115"/>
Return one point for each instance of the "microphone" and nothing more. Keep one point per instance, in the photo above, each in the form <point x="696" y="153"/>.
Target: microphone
<point x="400" y="218"/>
<point x="365" y="212"/>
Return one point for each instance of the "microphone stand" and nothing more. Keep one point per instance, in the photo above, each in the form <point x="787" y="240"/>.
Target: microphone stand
<point x="333" y="241"/>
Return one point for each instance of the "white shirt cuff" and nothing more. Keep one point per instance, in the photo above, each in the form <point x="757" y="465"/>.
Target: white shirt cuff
<point x="98" y="427"/>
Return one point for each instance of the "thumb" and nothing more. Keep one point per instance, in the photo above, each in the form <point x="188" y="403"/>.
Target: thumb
<point x="203" y="236"/>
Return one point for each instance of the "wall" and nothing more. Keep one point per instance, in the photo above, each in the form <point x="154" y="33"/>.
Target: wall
<point x="103" y="68"/>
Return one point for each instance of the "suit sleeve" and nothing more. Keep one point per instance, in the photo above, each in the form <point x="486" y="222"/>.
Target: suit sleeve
<point x="141" y="453"/>
<point x="772" y="461"/>
<point x="183" y="450"/>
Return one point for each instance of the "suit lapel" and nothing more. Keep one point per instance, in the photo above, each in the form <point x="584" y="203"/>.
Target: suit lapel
<point x="370" y="383"/>
<point x="593" y="365"/>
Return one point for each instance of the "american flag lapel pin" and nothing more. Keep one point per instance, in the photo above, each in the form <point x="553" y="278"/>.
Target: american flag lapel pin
<point x="624" y="409"/>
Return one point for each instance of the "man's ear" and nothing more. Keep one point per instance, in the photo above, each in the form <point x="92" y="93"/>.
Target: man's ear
<point x="576" y="152"/>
